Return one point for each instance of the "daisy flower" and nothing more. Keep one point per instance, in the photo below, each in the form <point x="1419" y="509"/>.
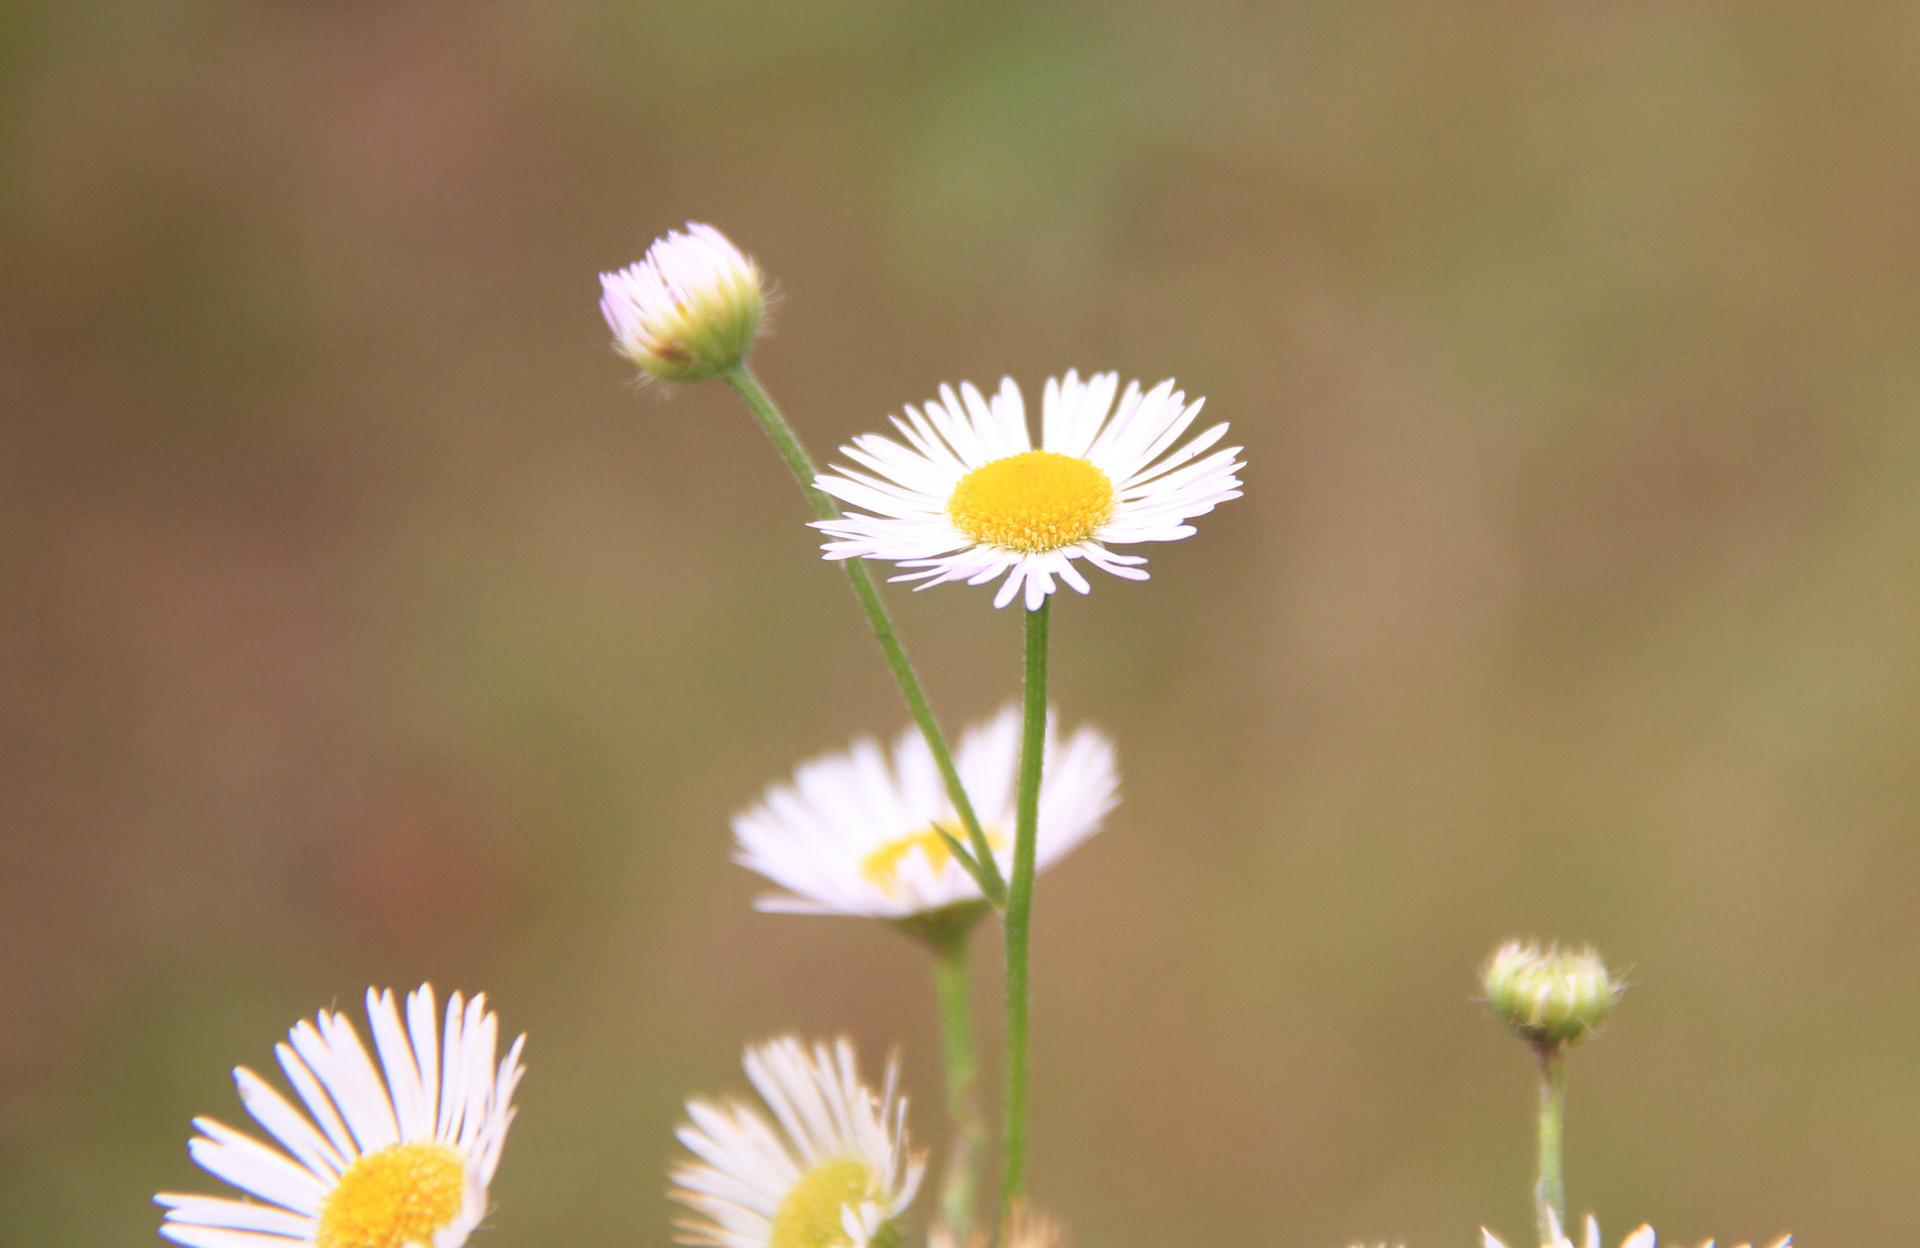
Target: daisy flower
<point x="829" y="1169"/>
<point x="854" y="833"/>
<point x="1025" y="1229"/>
<point x="397" y="1155"/>
<point x="1642" y="1238"/>
<point x="689" y="309"/>
<point x="969" y="498"/>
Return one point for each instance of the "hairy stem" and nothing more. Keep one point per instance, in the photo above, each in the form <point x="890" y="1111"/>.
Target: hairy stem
<point x="1550" y="1191"/>
<point x="951" y="981"/>
<point x="1033" y="743"/>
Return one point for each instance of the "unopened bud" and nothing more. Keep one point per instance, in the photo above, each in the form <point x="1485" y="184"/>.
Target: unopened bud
<point x="689" y="309"/>
<point x="1551" y="997"/>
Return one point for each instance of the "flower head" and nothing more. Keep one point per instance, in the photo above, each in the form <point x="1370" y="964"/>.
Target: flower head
<point x="394" y="1156"/>
<point x="853" y="833"/>
<point x="1642" y="1238"/>
<point x="1551" y="997"/>
<point x="969" y="498"/>
<point x="1026" y="1228"/>
<point x="689" y="309"/>
<point x="830" y="1169"/>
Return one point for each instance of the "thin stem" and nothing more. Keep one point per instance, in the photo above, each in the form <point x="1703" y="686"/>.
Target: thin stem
<point x="986" y="871"/>
<point x="951" y="983"/>
<point x="1550" y="1192"/>
<point x="1033" y="743"/>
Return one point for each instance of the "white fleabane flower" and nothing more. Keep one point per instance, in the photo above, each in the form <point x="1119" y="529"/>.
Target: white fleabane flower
<point x="393" y="1156"/>
<point x="854" y="833"/>
<point x="689" y="309"/>
<point x="1025" y="1229"/>
<point x="1642" y="1238"/>
<point x="830" y="1169"/>
<point x="969" y="498"/>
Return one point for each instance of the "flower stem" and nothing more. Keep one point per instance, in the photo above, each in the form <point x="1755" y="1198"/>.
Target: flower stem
<point x="1033" y="743"/>
<point x="1550" y="1192"/>
<point x="985" y="870"/>
<point x="951" y="982"/>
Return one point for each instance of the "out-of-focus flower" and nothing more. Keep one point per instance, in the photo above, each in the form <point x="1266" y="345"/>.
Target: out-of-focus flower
<point x="394" y="1156"/>
<point x="1642" y="1238"/>
<point x="689" y="309"/>
<point x="851" y="834"/>
<point x="1550" y="996"/>
<point x="1026" y="1229"/>
<point x="835" y="1172"/>
<point x="969" y="498"/>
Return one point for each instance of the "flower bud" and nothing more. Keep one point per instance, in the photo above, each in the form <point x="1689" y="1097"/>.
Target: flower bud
<point x="689" y="309"/>
<point x="1550" y="997"/>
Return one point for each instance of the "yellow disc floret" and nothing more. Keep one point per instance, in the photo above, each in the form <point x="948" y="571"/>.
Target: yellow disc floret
<point x="1031" y="502"/>
<point x="810" y="1215"/>
<point x="394" y="1198"/>
<point x="881" y="867"/>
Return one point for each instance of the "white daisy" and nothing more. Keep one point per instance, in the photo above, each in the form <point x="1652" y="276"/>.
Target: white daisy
<point x="394" y="1156"/>
<point x="689" y="309"/>
<point x="1642" y="1238"/>
<point x="1025" y="1229"/>
<point x="854" y="834"/>
<point x="830" y="1169"/>
<point x="968" y="498"/>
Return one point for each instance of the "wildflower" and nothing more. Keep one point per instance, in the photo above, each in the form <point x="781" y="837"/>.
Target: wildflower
<point x="1642" y="1238"/>
<point x="854" y="834"/>
<point x="688" y="310"/>
<point x="835" y="1172"/>
<point x="1551" y="997"/>
<point x="397" y="1156"/>
<point x="969" y="498"/>
<point x="1025" y="1229"/>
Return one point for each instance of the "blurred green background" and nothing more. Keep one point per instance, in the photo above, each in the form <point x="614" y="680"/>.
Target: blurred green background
<point x="362" y="624"/>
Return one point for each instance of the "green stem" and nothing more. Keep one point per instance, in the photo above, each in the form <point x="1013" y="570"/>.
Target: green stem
<point x="951" y="984"/>
<point x="984" y="868"/>
<point x="1550" y="1193"/>
<point x="1033" y="743"/>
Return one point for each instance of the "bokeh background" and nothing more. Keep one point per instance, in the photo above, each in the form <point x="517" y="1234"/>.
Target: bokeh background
<point x="361" y="623"/>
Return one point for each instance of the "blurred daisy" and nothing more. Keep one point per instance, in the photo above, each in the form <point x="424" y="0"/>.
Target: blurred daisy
<point x="1642" y="1238"/>
<point x="1025" y="1229"/>
<point x="689" y="309"/>
<point x="854" y="834"/>
<point x="968" y="498"/>
<point x="394" y="1156"/>
<point x="829" y="1169"/>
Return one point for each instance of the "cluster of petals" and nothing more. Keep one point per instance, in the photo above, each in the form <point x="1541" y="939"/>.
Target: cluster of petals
<point x="431" y="1087"/>
<point x="902" y="492"/>
<point x="1642" y="1238"/>
<point x="745" y="1164"/>
<point x="817" y="835"/>
<point x="689" y="308"/>
<point x="1025" y="1228"/>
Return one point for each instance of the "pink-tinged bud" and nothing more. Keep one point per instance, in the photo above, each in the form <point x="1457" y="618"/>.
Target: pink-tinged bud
<point x="689" y="309"/>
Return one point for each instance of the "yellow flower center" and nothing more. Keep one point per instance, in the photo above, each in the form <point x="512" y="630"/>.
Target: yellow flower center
<point x="881" y="867"/>
<point x="1033" y="501"/>
<point x="393" y="1198"/>
<point x="810" y="1215"/>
